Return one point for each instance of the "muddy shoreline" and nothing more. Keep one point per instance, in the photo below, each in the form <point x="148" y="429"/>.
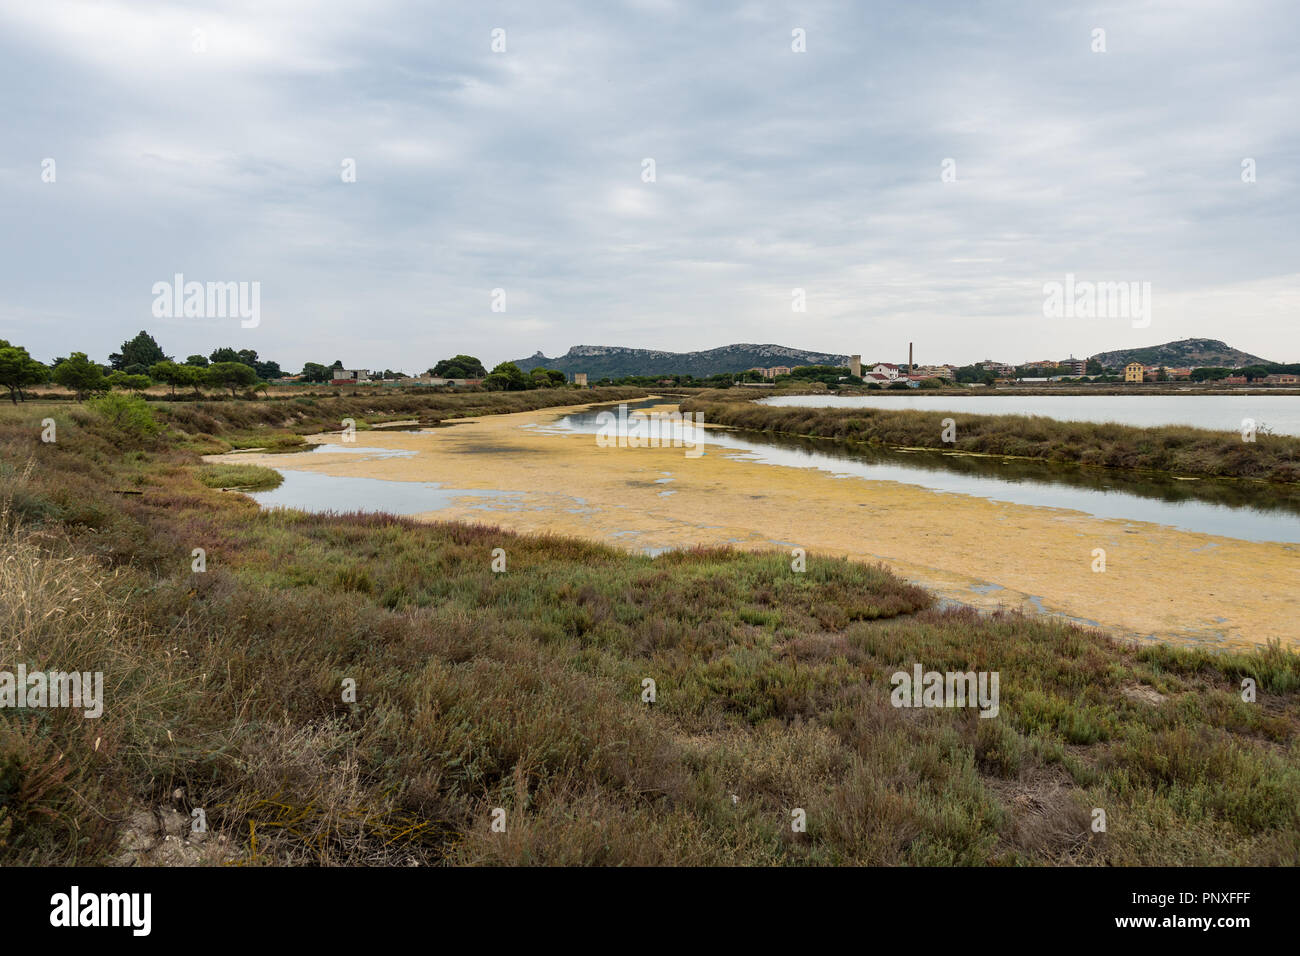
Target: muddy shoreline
<point x="1160" y="583"/>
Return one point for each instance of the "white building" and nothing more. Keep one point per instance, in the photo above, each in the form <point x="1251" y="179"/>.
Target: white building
<point x="886" y="369"/>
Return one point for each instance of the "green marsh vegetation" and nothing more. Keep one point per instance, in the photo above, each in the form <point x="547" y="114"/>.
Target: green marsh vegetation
<point x="1176" y="450"/>
<point x="522" y="690"/>
<point x="278" y="424"/>
<point x="239" y="477"/>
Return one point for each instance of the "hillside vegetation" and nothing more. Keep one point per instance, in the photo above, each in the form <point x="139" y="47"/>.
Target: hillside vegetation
<point x="1185" y="353"/>
<point x="601" y="361"/>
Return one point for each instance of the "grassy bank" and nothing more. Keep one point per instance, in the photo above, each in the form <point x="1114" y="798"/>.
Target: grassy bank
<point x="1175" y="450"/>
<point x="523" y="690"/>
<point x="279" y="424"/>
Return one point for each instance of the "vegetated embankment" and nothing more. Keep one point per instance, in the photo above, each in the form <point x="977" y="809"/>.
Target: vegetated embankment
<point x="279" y="424"/>
<point x="1175" y="450"/>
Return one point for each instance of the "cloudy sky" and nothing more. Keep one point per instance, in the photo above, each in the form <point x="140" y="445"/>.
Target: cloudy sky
<point x="210" y="139"/>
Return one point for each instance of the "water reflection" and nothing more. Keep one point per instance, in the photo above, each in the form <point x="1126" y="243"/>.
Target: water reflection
<point x="315" y="492"/>
<point x="1278" y="414"/>
<point x="1253" y="511"/>
<point x="1262" y="496"/>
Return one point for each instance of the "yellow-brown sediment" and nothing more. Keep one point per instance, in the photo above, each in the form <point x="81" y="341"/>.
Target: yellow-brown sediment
<point x="1159" y="581"/>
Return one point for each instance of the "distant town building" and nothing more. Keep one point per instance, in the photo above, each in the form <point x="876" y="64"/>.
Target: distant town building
<point x="1076" y="366"/>
<point x="936" y="371"/>
<point x="439" y="380"/>
<point x="886" y="369"/>
<point x="580" y="378"/>
<point x="348" y="376"/>
<point x="1134" y="372"/>
<point x="772" y="372"/>
<point x="855" y="366"/>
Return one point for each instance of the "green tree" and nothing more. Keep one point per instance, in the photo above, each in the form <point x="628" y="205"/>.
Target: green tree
<point x="199" y="361"/>
<point x="969" y="374"/>
<point x="546" y="378"/>
<point x="80" y="374"/>
<point x="18" y="370"/>
<point x="459" y="366"/>
<point x="191" y="376"/>
<point x="231" y="375"/>
<point x="125" y="382"/>
<point x="169" y="373"/>
<point x="506" y="377"/>
<point x="141" y="350"/>
<point x="315" y="372"/>
<point x="246" y="356"/>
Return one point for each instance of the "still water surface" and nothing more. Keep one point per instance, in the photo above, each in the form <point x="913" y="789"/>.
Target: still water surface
<point x="1278" y="413"/>
<point x="1252" y="511"/>
<point x="1248" y="510"/>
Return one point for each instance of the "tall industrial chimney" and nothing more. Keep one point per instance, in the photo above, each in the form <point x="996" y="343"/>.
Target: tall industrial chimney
<point x="909" y="358"/>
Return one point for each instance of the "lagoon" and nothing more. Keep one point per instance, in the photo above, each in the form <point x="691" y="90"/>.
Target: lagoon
<point x="545" y="472"/>
<point x="1251" y="511"/>
<point x="1275" y="414"/>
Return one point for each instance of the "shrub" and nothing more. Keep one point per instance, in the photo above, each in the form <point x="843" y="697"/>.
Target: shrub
<point x="243" y="477"/>
<point x="129" y="416"/>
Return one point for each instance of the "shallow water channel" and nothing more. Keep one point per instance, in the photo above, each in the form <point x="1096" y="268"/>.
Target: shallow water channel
<point x="1253" y="511"/>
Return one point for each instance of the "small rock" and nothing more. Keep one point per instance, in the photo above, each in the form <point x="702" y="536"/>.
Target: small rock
<point x="174" y="823"/>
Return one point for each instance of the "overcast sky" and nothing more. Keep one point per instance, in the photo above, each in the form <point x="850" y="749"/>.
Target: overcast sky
<point x="219" y="154"/>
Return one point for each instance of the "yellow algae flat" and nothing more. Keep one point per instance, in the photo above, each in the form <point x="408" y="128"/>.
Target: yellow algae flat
<point x="1159" y="582"/>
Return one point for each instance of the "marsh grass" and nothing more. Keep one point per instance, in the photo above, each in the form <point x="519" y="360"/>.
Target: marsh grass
<point x="279" y="424"/>
<point x="239" y="477"/>
<point x="522" y="690"/>
<point x="1172" y="449"/>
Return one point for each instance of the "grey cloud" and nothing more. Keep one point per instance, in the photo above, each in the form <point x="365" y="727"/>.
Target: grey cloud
<point x="522" y="170"/>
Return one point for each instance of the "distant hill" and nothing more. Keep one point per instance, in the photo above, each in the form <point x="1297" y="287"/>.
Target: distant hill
<point x="599" y="361"/>
<point x="1182" y="354"/>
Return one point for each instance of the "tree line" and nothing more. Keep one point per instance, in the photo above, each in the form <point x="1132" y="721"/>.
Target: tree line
<point x="142" y="363"/>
